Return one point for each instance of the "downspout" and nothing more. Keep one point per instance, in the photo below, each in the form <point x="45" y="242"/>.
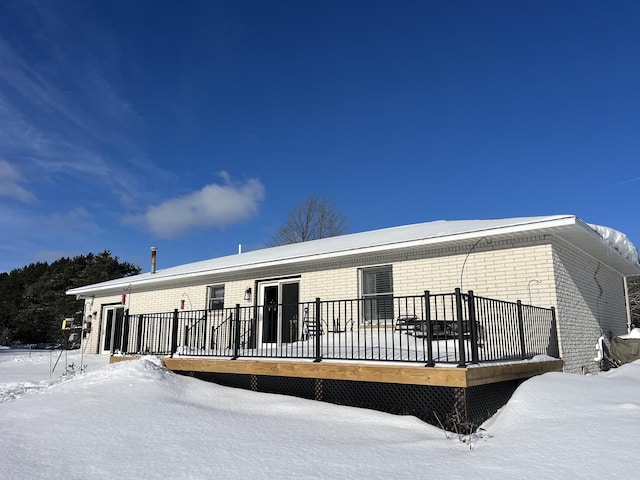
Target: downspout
<point x="627" y="303"/>
<point x="601" y="339"/>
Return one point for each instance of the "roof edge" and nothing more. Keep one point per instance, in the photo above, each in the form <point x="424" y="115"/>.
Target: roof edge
<point x="527" y="224"/>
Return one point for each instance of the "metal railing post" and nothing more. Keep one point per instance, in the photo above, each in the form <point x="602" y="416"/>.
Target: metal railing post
<point x="230" y="334"/>
<point x="462" y="361"/>
<point x="523" y="347"/>
<point x="473" y="327"/>
<point x="235" y="325"/>
<point x="139" y="334"/>
<point x="206" y="341"/>
<point x="318" y="331"/>
<point x="186" y="335"/>
<point x="174" y="333"/>
<point x="429" y="325"/>
<point x="124" y="340"/>
<point x="554" y="335"/>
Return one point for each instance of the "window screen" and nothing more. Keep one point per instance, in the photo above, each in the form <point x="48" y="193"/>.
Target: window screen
<point x="216" y="297"/>
<point x="377" y="293"/>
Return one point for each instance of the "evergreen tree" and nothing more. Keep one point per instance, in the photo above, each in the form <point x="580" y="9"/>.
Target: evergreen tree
<point x="33" y="301"/>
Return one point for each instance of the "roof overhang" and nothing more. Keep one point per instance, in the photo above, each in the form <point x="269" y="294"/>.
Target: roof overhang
<point x="567" y="227"/>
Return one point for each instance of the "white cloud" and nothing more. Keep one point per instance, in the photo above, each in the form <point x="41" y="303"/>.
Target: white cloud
<point x="10" y="186"/>
<point x="212" y="206"/>
<point x="64" y="114"/>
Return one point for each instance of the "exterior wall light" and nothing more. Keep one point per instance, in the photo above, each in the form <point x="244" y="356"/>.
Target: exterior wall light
<point x="538" y="282"/>
<point x="247" y="294"/>
<point x="184" y="297"/>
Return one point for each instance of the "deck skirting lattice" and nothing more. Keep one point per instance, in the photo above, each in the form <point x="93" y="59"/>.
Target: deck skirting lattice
<point x="456" y="408"/>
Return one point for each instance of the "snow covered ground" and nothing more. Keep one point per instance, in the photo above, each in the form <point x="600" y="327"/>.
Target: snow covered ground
<point x="136" y="420"/>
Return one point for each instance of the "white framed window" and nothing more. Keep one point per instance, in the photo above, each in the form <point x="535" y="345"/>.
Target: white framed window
<point x="376" y="285"/>
<point x="215" y="295"/>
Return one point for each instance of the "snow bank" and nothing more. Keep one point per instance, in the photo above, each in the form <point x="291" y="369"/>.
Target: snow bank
<point x="136" y="420"/>
<point x="634" y="333"/>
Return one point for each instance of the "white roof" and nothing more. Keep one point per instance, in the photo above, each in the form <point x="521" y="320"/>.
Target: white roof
<point x="607" y="245"/>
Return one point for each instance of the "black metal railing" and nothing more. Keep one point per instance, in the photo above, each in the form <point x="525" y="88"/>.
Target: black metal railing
<point x="457" y="328"/>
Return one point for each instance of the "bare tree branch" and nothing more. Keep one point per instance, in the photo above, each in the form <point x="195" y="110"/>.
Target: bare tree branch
<point x="311" y="219"/>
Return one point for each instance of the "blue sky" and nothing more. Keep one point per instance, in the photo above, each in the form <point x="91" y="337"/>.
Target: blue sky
<point x="195" y="126"/>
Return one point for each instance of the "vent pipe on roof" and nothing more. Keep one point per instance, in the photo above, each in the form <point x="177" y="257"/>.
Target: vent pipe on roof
<point x="239" y="248"/>
<point x="153" y="259"/>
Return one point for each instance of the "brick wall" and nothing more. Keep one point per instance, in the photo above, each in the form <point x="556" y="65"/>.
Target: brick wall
<point x="539" y="270"/>
<point x="590" y="301"/>
<point x="498" y="269"/>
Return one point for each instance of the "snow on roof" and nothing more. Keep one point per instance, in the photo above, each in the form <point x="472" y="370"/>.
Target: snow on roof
<point x="618" y="241"/>
<point x="406" y="236"/>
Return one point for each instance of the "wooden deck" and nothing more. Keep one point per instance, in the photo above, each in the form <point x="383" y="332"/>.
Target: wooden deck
<point x="447" y="376"/>
<point x="457" y="399"/>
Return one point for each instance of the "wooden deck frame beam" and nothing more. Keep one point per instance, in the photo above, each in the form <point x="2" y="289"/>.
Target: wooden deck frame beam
<point x="369" y="372"/>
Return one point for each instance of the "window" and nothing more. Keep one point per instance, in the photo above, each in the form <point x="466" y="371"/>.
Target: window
<point x="216" y="297"/>
<point x="377" y="293"/>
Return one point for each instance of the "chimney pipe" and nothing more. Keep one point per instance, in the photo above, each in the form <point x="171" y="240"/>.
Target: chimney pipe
<point x="153" y="259"/>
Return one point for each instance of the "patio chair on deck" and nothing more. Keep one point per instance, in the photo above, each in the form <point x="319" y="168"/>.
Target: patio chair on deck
<point x="339" y="325"/>
<point x="310" y="326"/>
<point x="407" y="324"/>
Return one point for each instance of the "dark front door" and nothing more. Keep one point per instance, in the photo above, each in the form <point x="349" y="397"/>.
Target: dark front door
<point x="112" y="328"/>
<point x="270" y="317"/>
<point x="290" y="309"/>
<point x="280" y="312"/>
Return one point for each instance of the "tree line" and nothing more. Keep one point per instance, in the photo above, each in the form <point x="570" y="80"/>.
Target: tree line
<point x="33" y="301"/>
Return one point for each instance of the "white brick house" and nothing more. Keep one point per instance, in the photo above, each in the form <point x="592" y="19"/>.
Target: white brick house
<point x="546" y="261"/>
